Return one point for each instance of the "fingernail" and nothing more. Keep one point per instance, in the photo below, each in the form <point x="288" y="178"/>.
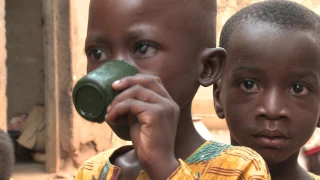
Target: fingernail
<point x="116" y="82"/>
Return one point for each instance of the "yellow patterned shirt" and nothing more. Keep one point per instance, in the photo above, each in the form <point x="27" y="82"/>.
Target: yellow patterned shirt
<point x="212" y="160"/>
<point x="315" y="176"/>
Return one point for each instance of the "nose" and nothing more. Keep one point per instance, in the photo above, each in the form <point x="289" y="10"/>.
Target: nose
<point x="119" y="55"/>
<point x="272" y="105"/>
<point x="122" y="54"/>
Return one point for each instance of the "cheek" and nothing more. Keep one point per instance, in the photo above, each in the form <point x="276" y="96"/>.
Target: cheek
<point x="239" y="112"/>
<point x="305" y="114"/>
<point x="240" y="125"/>
<point x="180" y="80"/>
<point x="181" y="88"/>
<point x="237" y="106"/>
<point x="303" y="125"/>
<point x="239" y="117"/>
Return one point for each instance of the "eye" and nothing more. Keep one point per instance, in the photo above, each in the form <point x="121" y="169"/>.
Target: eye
<point x="249" y="85"/>
<point x="144" y="49"/>
<point x="298" y="89"/>
<point x="96" y="54"/>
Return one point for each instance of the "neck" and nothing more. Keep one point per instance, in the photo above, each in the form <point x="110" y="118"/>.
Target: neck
<point x="288" y="169"/>
<point x="187" y="138"/>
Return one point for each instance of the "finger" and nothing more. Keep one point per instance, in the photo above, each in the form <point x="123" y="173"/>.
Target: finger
<point x="139" y="93"/>
<point x="130" y="107"/>
<point x="148" y="81"/>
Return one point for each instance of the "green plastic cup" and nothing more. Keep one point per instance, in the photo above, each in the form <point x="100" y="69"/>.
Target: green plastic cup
<point x="93" y="93"/>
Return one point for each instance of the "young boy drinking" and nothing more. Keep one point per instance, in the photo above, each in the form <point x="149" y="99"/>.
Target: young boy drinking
<point x="172" y="45"/>
<point x="270" y="87"/>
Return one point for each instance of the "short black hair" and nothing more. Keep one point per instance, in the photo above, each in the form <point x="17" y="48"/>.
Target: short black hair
<point x="285" y="14"/>
<point x="6" y="156"/>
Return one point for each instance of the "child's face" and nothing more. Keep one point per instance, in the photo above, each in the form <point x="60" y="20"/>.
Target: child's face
<point x="154" y="41"/>
<point x="270" y="91"/>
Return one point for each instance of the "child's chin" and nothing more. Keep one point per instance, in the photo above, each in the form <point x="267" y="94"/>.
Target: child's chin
<point x="274" y="156"/>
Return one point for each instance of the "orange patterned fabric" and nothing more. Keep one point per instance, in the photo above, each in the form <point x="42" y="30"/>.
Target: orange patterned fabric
<point x="210" y="161"/>
<point x="315" y="176"/>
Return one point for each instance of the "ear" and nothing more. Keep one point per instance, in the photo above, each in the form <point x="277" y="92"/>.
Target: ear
<point x="216" y="98"/>
<point x="213" y="61"/>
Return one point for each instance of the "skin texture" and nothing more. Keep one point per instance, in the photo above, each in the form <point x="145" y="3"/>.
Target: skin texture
<point x="270" y="93"/>
<point x="154" y="108"/>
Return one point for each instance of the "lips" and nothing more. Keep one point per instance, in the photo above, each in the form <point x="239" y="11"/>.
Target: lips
<point x="274" y="139"/>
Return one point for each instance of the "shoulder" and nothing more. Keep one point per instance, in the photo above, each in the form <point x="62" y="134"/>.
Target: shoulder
<point x="244" y="156"/>
<point x="207" y="151"/>
<point x="316" y="177"/>
<point x="241" y="152"/>
<point x="241" y="161"/>
<point x="92" y="167"/>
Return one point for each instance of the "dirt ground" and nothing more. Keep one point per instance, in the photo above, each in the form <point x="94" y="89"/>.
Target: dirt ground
<point x="33" y="171"/>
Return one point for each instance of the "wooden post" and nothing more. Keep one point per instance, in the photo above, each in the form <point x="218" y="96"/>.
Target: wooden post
<point x="65" y="24"/>
<point x="3" y="69"/>
<point x="51" y="86"/>
<point x="58" y="83"/>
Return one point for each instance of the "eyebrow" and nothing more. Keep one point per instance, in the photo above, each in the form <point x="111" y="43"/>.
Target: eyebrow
<point x="140" y="29"/>
<point x="133" y="32"/>
<point x="301" y="75"/>
<point x="250" y="69"/>
<point x="306" y="75"/>
<point x="95" y="38"/>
